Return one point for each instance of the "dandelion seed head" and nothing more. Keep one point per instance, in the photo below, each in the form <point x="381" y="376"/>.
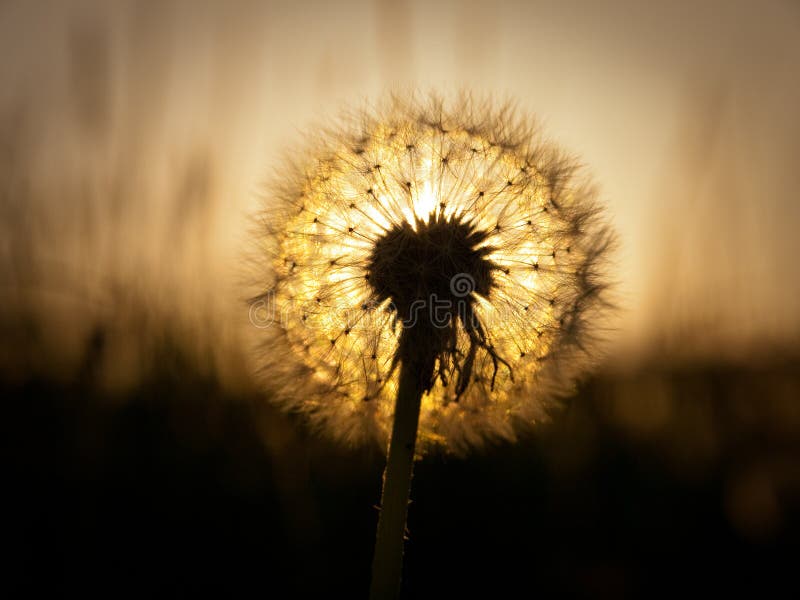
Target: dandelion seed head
<point x="420" y="204"/>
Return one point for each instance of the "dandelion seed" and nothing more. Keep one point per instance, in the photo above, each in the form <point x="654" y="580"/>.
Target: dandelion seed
<point x="416" y="207"/>
<point x="441" y="200"/>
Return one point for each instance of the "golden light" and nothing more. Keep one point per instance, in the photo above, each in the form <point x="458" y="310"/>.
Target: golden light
<point x="408" y="163"/>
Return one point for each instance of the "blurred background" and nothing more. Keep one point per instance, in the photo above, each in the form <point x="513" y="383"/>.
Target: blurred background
<point x="135" y="141"/>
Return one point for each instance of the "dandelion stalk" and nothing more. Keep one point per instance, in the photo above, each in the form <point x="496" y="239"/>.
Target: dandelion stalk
<point x="387" y="562"/>
<point x="439" y="273"/>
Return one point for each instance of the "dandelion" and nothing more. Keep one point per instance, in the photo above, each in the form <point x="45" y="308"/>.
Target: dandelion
<point x="437" y="270"/>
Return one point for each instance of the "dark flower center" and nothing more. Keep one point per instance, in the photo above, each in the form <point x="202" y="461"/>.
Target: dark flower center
<point x="429" y="274"/>
<point x="442" y="261"/>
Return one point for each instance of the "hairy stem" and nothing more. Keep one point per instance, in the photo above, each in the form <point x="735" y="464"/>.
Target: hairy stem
<point x="387" y="562"/>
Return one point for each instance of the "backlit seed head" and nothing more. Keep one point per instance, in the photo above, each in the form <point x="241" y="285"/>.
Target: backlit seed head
<point x="454" y="221"/>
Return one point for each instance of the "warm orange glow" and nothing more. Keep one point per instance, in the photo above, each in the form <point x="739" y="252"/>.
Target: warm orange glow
<point x="541" y="226"/>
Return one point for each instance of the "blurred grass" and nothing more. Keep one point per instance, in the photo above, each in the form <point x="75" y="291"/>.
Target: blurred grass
<point x="644" y="484"/>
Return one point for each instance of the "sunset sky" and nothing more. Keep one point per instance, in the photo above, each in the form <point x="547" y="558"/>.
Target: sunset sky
<point x="143" y="134"/>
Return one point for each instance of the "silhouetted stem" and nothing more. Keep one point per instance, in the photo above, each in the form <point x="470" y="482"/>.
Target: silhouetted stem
<point x="387" y="562"/>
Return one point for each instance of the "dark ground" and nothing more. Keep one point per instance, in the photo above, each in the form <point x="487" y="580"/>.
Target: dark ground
<point x="666" y="482"/>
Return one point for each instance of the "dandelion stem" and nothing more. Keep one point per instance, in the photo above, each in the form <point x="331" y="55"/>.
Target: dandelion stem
<point x="387" y="562"/>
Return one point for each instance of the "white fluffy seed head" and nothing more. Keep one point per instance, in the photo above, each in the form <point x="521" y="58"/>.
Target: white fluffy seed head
<point x="331" y="352"/>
